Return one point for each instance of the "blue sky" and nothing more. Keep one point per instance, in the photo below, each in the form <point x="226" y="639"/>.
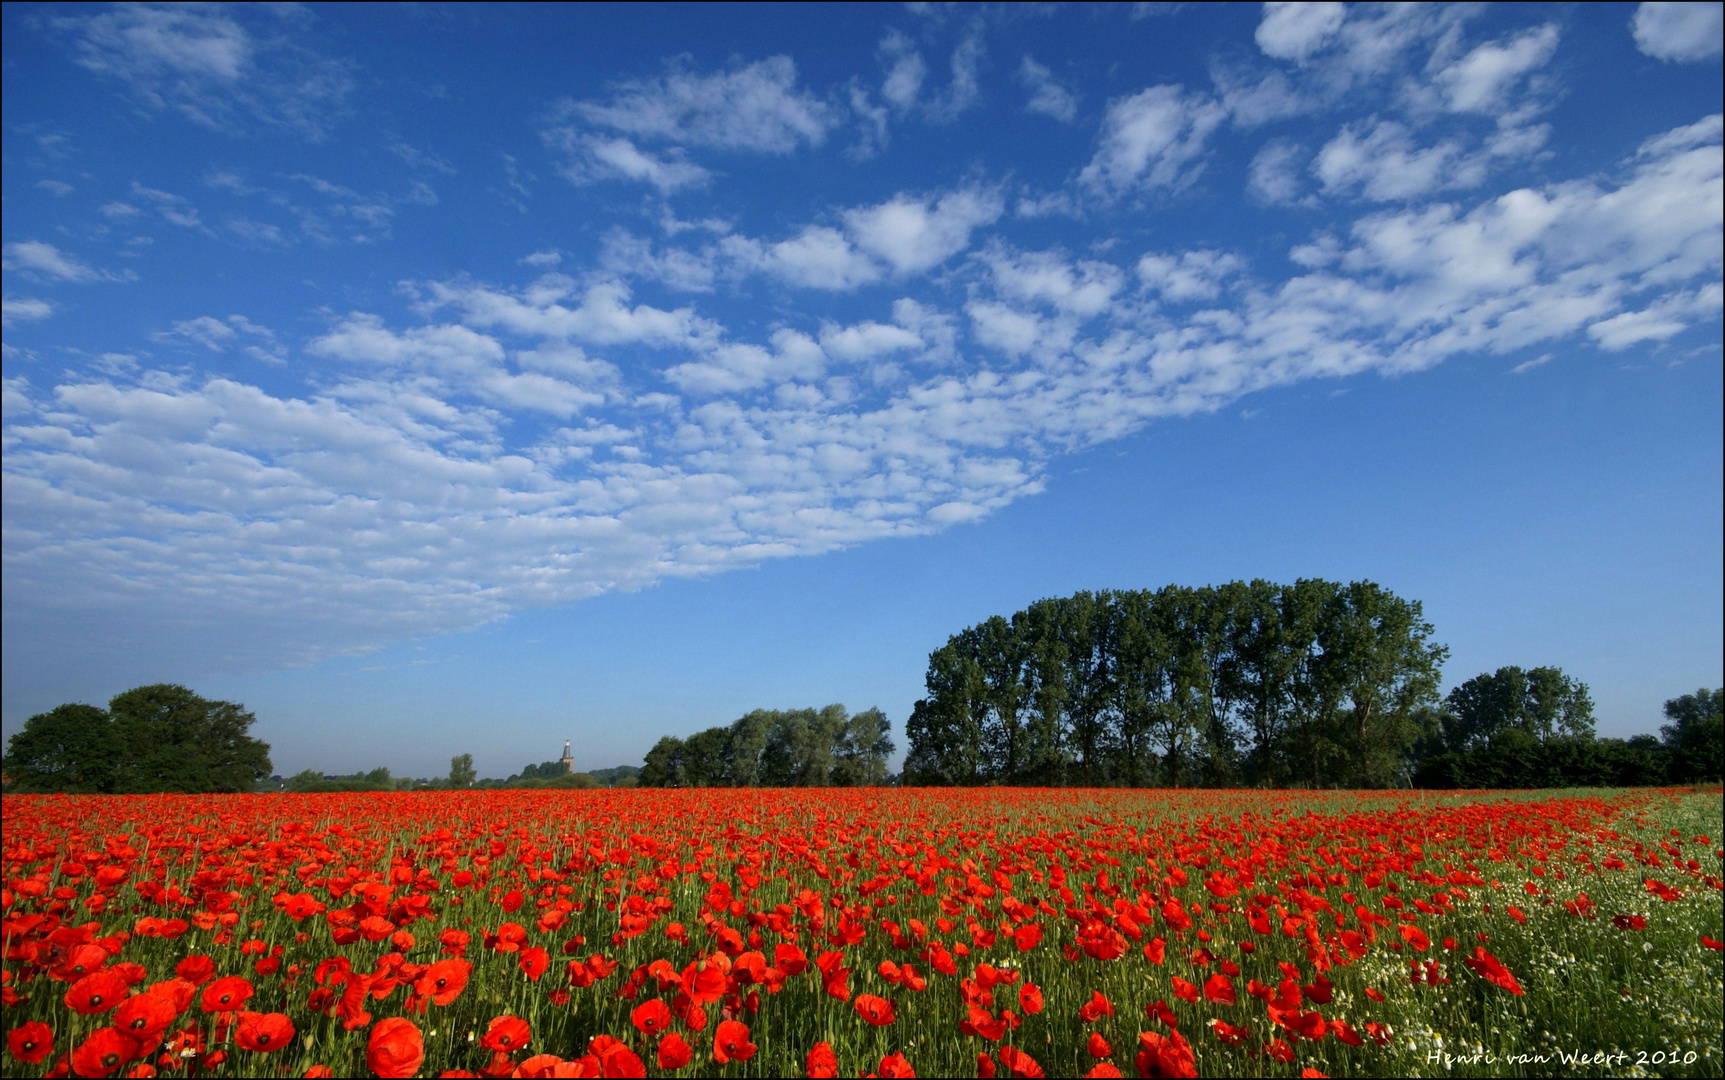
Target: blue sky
<point x="467" y="379"/>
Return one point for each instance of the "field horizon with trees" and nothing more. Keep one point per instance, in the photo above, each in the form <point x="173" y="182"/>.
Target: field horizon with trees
<point x="1317" y="684"/>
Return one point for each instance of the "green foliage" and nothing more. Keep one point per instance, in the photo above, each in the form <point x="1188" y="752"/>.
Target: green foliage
<point x="174" y="740"/>
<point x="461" y="774"/>
<point x="1315" y="684"/>
<point x="150" y="739"/>
<point x="774" y="748"/>
<point x="70" y="748"/>
<point x="1513" y="758"/>
<point x="545" y="770"/>
<point x="310" y="780"/>
<point x="1696" y="735"/>
<point x="1542" y="702"/>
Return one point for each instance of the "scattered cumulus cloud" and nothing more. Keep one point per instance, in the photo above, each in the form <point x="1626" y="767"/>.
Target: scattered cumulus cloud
<point x="223" y="68"/>
<point x="1152" y="139"/>
<point x="1684" y="33"/>
<point x="1047" y="96"/>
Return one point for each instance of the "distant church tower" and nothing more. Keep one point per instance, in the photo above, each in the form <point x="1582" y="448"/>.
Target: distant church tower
<point x="566" y="761"/>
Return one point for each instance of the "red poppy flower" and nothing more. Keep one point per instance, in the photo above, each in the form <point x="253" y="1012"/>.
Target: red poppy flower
<point x="651" y="1017"/>
<point x="226" y="994"/>
<point x="876" y="1010"/>
<point x="104" y="1052"/>
<point x="615" y="1057"/>
<point x="1491" y="969"/>
<point x="705" y="982"/>
<point x="443" y="981"/>
<point x="1220" y="989"/>
<point x="1096" y="1008"/>
<point x="547" y="1066"/>
<point x="674" y="1053"/>
<point x="790" y="959"/>
<point x="1097" y="1046"/>
<point x="821" y="1062"/>
<point x="506" y="1034"/>
<point x="1414" y="936"/>
<point x="534" y="962"/>
<point x="264" y="1032"/>
<point x="1103" y="1069"/>
<point x="96" y="993"/>
<point x="1021" y="1063"/>
<point x="895" y="1065"/>
<point x="1165" y="1055"/>
<point x="196" y="969"/>
<point x="1030" y="999"/>
<point x="1184" y="990"/>
<point x="32" y="1042"/>
<point x="396" y="1048"/>
<point x="145" y="1016"/>
<point x="731" y="1042"/>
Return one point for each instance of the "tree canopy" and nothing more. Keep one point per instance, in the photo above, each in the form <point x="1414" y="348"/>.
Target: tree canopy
<point x="1313" y="684"/>
<point x="150" y="739"/>
<point x="774" y="748"/>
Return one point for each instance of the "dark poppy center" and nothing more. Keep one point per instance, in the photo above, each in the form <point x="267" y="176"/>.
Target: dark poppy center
<point x="95" y="999"/>
<point x="263" y="1040"/>
<point x="110" y="1059"/>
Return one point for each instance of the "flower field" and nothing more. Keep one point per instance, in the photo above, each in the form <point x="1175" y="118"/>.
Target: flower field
<point x="845" y="932"/>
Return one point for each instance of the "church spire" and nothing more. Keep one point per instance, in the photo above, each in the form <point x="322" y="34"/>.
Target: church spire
<point x="566" y="761"/>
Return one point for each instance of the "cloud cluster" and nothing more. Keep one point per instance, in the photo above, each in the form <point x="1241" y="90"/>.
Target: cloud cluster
<point x="224" y="68"/>
<point x="755" y="108"/>
<point x="539" y="443"/>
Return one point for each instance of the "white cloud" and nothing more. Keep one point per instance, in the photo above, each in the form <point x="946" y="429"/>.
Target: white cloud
<point x="819" y="257"/>
<point x="1681" y="32"/>
<point x="602" y="316"/>
<point x="908" y="74"/>
<point x="47" y="262"/>
<point x="1189" y="276"/>
<point x="1152" y="140"/>
<point x="756" y="107"/>
<point x="1047" y="96"/>
<point x="23" y="309"/>
<point x="866" y="340"/>
<point x="219" y="335"/>
<point x="1084" y="288"/>
<point x="736" y="367"/>
<point x="203" y="63"/>
<point x="447" y="348"/>
<point x="1274" y="177"/>
<point x="524" y="445"/>
<point x="904" y="81"/>
<point x="1481" y="80"/>
<point x="1665" y="318"/>
<point x="597" y="157"/>
<point x="1384" y="165"/>
<point x="1294" y="31"/>
<point x="913" y="235"/>
<point x="964" y="92"/>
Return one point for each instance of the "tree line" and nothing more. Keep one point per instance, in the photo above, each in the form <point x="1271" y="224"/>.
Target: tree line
<point x="1314" y="684"/>
<point x="149" y="739"/>
<point x="777" y="748"/>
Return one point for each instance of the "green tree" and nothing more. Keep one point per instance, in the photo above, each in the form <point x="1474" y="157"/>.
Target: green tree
<point x="859" y="759"/>
<point x="663" y="766"/>
<point x="461" y="773"/>
<point x="1378" y="658"/>
<point x="171" y="739"/>
<point x="1695" y="738"/>
<point x="69" y="748"/>
<point x="1543" y="703"/>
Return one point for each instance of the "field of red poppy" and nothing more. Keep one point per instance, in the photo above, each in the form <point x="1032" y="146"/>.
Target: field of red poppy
<point x="991" y="932"/>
